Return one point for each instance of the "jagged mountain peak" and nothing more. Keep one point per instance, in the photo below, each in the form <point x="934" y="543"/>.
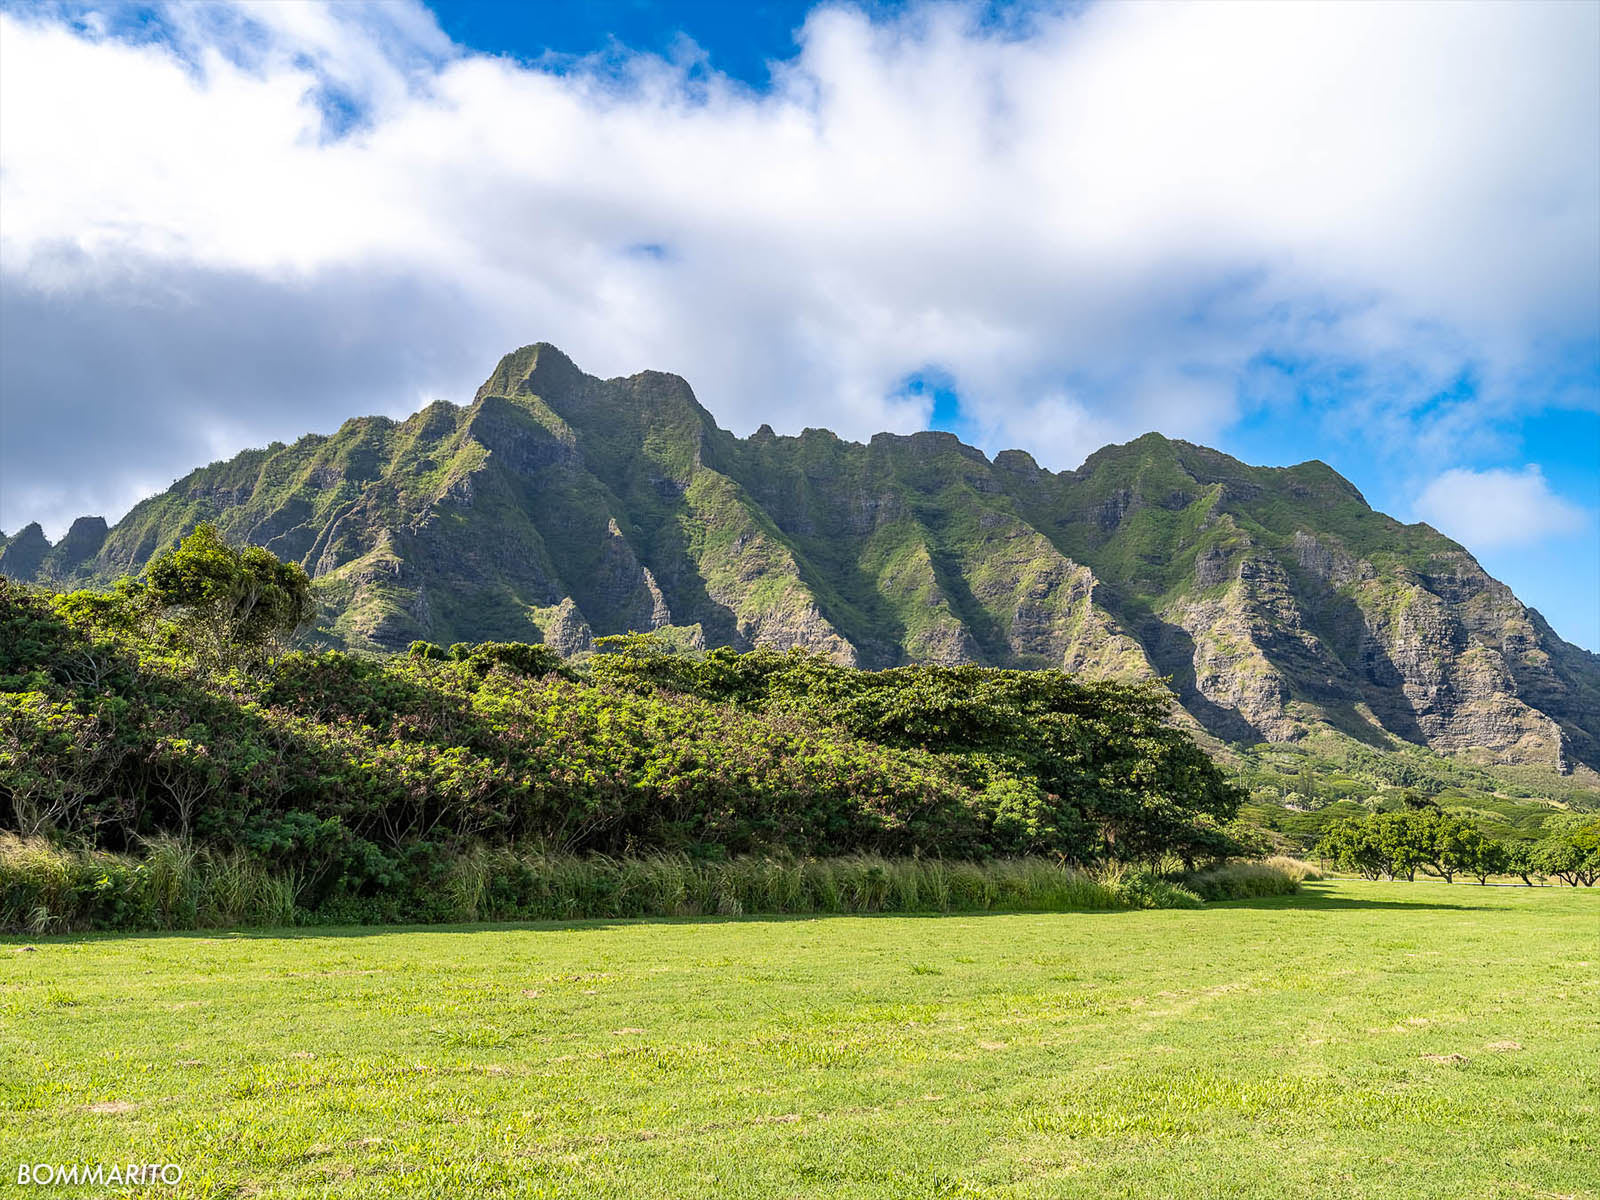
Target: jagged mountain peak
<point x="559" y="507"/>
<point x="1154" y="455"/>
<point x="925" y="443"/>
<point x="24" y="552"/>
<point x="531" y="369"/>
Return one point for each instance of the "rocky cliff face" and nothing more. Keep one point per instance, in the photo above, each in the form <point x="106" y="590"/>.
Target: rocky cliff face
<point x="559" y="507"/>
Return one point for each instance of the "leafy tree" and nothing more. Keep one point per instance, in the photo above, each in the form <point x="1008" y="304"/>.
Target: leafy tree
<point x="1449" y="844"/>
<point x="1405" y="841"/>
<point x="1521" y="861"/>
<point x="1355" y="844"/>
<point x="535" y="661"/>
<point x="233" y="606"/>
<point x="1491" y="858"/>
<point x="1116" y="778"/>
<point x="182" y="765"/>
<point x="1571" y="852"/>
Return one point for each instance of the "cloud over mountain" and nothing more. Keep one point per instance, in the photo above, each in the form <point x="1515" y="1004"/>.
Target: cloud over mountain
<point x="239" y="221"/>
<point x="1498" y="508"/>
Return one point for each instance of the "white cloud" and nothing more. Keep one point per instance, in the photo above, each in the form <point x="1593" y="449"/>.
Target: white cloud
<point x="1486" y="510"/>
<point x="1094" y="229"/>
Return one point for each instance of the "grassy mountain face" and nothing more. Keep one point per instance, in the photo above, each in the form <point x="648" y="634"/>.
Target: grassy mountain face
<point x="557" y="507"/>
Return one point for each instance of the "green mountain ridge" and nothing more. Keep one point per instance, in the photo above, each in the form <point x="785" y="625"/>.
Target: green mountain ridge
<point x="558" y="507"/>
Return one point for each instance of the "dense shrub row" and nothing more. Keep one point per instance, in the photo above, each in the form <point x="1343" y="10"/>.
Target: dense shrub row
<point x="1396" y="845"/>
<point x="1092" y="770"/>
<point x="167" y="707"/>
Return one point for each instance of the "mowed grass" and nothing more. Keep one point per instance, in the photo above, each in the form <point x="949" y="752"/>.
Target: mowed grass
<point x="1356" y="1040"/>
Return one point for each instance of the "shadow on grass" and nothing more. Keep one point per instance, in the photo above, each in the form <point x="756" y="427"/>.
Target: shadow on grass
<point x="540" y="925"/>
<point x="1312" y="902"/>
<point x="1310" y="899"/>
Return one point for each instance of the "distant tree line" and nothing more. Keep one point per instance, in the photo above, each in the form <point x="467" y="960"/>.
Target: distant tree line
<point x="1396" y="845"/>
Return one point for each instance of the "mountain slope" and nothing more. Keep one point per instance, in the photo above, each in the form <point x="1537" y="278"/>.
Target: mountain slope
<point x="557" y="507"/>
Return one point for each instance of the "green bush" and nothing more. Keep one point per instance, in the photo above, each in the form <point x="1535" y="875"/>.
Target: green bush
<point x="1146" y="889"/>
<point x="1089" y="770"/>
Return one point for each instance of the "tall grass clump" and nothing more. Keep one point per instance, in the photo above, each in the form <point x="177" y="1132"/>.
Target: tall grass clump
<point x="171" y="883"/>
<point x="1144" y="888"/>
<point x="235" y="889"/>
<point x="1244" y="881"/>
<point x="46" y="888"/>
<point x="1296" y="868"/>
<point x="37" y="884"/>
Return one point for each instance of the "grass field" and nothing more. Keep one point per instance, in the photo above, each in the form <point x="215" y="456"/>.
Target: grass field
<point x="1355" y="1040"/>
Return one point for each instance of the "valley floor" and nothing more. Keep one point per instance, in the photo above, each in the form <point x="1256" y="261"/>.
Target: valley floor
<point x="1357" y="1040"/>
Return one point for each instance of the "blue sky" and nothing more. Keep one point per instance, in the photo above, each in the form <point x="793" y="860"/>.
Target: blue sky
<point x="738" y="39"/>
<point x="1365" y="234"/>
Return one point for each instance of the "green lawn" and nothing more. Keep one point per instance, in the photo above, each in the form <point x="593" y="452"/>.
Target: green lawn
<point x="1357" y="1040"/>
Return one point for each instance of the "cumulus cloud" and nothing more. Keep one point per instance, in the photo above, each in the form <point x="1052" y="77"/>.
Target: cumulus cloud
<point x="1094" y="222"/>
<point x="1486" y="510"/>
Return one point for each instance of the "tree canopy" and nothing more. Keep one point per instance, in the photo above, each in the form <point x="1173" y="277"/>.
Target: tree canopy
<point x="231" y="604"/>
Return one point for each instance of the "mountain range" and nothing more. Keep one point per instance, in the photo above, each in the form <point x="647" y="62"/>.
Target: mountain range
<point x="559" y="507"/>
